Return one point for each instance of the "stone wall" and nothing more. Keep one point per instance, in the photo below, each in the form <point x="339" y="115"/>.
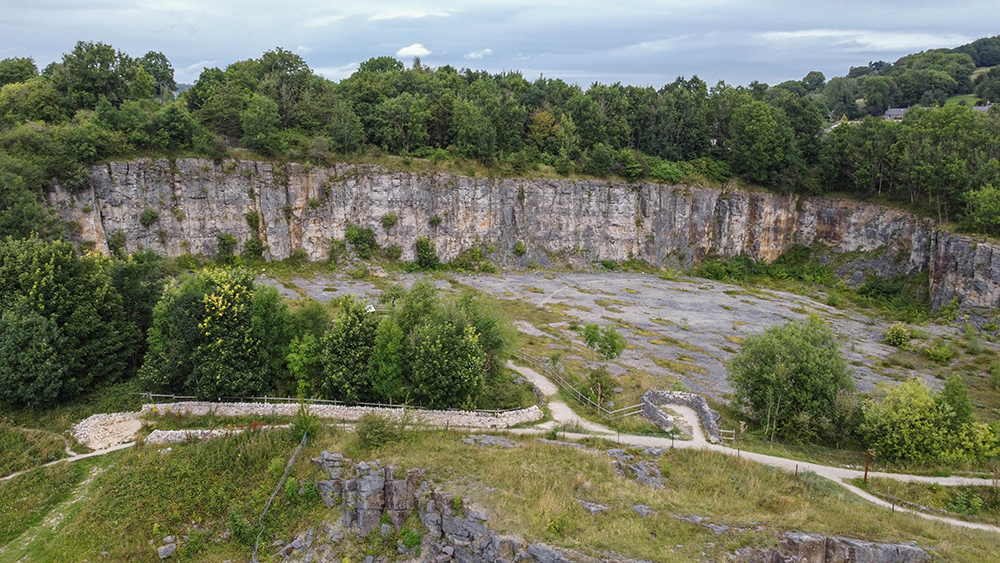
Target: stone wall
<point x="709" y="418"/>
<point x="463" y="419"/>
<point x="560" y="221"/>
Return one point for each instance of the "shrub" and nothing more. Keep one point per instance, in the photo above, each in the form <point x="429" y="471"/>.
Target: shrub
<point x="227" y="243"/>
<point x="907" y="423"/>
<point x="243" y="532"/>
<point x="116" y="244"/>
<point x="393" y="252"/>
<point x="389" y="220"/>
<point x="305" y="423"/>
<point x="606" y="341"/>
<point x="599" y="384"/>
<point x="564" y="166"/>
<point x="375" y="431"/>
<point x="897" y="335"/>
<point x="434" y="221"/>
<point x="427" y="258"/>
<point x="520" y="249"/>
<point x="253" y="221"/>
<point x="148" y="217"/>
<point x="253" y="250"/>
<point x="363" y="240"/>
<point x="972" y="345"/>
<point x="995" y="375"/>
<point x="940" y="351"/>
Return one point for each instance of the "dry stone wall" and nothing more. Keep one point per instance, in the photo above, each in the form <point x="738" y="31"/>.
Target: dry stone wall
<point x="651" y="400"/>
<point x="559" y="220"/>
<point x="446" y="418"/>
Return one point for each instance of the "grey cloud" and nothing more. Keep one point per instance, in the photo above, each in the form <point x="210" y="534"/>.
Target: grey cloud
<point x="643" y="42"/>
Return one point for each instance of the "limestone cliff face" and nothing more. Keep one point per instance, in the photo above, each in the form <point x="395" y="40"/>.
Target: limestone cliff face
<point x="559" y="221"/>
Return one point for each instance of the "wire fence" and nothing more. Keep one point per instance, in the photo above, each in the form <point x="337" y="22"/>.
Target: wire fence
<point x="284" y="476"/>
<point x="559" y="380"/>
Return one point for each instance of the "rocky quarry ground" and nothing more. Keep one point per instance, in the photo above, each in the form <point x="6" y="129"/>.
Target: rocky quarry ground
<point x="683" y="329"/>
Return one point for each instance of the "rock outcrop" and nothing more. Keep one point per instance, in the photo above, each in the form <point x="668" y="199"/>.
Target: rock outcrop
<point x="302" y="208"/>
<point x="811" y="548"/>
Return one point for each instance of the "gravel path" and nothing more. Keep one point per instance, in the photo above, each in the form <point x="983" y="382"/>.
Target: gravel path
<point x="690" y="416"/>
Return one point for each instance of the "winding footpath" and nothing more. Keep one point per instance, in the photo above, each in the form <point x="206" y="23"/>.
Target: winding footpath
<point x="838" y="475"/>
<point x="565" y="418"/>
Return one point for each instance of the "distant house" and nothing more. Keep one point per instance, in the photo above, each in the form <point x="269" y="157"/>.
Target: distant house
<point x="895" y="114"/>
<point x="983" y="109"/>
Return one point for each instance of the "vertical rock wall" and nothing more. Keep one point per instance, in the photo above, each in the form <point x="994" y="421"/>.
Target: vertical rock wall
<point x="559" y="221"/>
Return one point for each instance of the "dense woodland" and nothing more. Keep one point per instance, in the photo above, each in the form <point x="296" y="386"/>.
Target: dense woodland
<point x="72" y="322"/>
<point x="99" y="103"/>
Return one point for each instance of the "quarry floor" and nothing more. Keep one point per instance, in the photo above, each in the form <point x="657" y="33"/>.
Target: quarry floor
<point x="682" y="329"/>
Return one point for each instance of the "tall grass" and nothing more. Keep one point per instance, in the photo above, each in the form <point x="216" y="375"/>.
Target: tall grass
<point x="533" y="491"/>
<point x="24" y="448"/>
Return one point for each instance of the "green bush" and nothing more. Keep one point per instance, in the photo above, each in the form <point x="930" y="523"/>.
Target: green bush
<point x="375" y="431"/>
<point x="897" y="335"/>
<point x="305" y="422"/>
<point x="148" y="217"/>
<point x="606" y="341"/>
<point x="995" y="375"/>
<point x="393" y="252"/>
<point x="972" y="344"/>
<point x="227" y="243"/>
<point x="909" y="423"/>
<point x="389" y="220"/>
<point x="427" y="258"/>
<point x="363" y="240"/>
<point x="434" y="221"/>
<point x="940" y="351"/>
<point x="253" y="250"/>
<point x="520" y="249"/>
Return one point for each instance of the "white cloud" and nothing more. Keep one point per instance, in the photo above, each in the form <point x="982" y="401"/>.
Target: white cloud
<point x="867" y="40"/>
<point x="322" y="21"/>
<point x="191" y="73"/>
<point x="337" y="72"/>
<point x="476" y="55"/>
<point x="656" y="46"/>
<point x="303" y="50"/>
<point x="415" y="50"/>
<point x="408" y="15"/>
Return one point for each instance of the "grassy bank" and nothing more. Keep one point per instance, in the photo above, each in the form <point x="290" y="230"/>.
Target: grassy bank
<point x="203" y="489"/>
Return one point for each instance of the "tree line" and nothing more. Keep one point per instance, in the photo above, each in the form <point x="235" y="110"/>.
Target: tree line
<point x="99" y="103"/>
<point x="72" y="323"/>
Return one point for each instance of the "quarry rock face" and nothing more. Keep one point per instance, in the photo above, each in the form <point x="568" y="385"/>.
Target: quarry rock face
<point x="303" y="209"/>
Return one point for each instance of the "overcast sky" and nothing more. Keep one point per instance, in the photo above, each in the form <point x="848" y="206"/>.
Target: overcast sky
<point x="644" y="42"/>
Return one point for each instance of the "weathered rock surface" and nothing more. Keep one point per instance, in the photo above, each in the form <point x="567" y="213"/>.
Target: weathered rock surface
<point x="797" y="547"/>
<point x="574" y="221"/>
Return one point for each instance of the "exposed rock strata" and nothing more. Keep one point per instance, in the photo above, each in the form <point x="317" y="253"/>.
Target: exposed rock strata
<point x="571" y="221"/>
<point x="811" y="548"/>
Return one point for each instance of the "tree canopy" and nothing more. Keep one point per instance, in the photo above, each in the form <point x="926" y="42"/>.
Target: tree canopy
<point x="786" y="379"/>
